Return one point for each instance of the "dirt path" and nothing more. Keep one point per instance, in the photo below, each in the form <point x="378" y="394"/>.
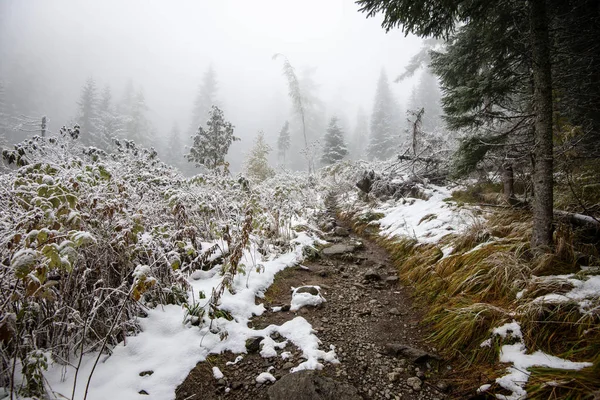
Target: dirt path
<point x="366" y="316"/>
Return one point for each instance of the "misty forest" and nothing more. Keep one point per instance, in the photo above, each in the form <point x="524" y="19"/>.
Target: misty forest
<point x="340" y="199"/>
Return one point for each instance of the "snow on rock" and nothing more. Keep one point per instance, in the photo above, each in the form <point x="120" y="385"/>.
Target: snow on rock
<point x="306" y="296"/>
<point x="269" y="346"/>
<point x="217" y="373"/>
<point x="265" y="377"/>
<point x="237" y="360"/>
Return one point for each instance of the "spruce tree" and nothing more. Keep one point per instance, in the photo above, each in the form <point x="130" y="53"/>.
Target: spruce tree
<point x="108" y="125"/>
<point x="88" y="111"/>
<point x="360" y="137"/>
<point x="137" y="126"/>
<point x="212" y="143"/>
<point x="384" y="130"/>
<point x="283" y="141"/>
<point x="426" y="95"/>
<point x="4" y="117"/>
<point x="334" y="148"/>
<point x="485" y="22"/>
<point x="206" y="97"/>
<point x="174" y="151"/>
<point x="257" y="164"/>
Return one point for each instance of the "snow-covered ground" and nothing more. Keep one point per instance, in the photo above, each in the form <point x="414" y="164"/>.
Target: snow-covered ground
<point x="159" y="358"/>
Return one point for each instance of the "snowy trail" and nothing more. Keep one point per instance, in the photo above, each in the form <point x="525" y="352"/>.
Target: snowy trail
<point x="157" y="360"/>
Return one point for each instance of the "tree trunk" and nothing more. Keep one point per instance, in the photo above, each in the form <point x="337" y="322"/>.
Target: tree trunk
<point x="508" y="180"/>
<point x="542" y="99"/>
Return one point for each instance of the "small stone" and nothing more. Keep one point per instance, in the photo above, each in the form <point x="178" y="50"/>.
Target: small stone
<point x="285" y="308"/>
<point x="221" y="382"/>
<point x="308" y="289"/>
<point x="324" y="320"/>
<point x="442" y="386"/>
<point x="288" y="365"/>
<point x="144" y="392"/>
<point x="394" y="311"/>
<point x="253" y="344"/>
<point x="236" y="385"/>
<point x="339" y="231"/>
<point x="371" y="275"/>
<point x="393" y="376"/>
<point x="414" y="383"/>
<point x="391" y="279"/>
<point x="144" y="373"/>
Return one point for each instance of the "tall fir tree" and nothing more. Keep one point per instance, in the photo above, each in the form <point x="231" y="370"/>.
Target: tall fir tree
<point x="137" y="125"/>
<point x="4" y="117"/>
<point x="508" y="37"/>
<point x="88" y="113"/>
<point x="257" y="164"/>
<point x="360" y="136"/>
<point x="384" y="129"/>
<point x="426" y="95"/>
<point x="283" y="141"/>
<point x="212" y="143"/>
<point x="206" y="97"/>
<point x="334" y="147"/>
<point x="108" y="122"/>
<point x="174" y="150"/>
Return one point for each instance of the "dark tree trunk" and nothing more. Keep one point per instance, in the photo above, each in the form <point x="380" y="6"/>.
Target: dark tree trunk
<point x="508" y="179"/>
<point x="542" y="99"/>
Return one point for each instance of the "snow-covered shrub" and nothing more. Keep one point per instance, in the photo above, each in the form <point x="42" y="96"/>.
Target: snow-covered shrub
<point x="87" y="237"/>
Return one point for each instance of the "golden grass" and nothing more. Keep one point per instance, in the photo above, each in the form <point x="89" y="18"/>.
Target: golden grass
<point x="474" y="289"/>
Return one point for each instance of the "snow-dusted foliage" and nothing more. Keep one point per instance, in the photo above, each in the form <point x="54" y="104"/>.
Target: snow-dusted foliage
<point x="385" y="126"/>
<point x="334" y="148"/>
<point x="211" y="144"/>
<point x="257" y="164"/>
<point x="92" y="241"/>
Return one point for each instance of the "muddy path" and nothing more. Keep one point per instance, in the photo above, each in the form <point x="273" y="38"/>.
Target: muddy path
<point x="368" y="316"/>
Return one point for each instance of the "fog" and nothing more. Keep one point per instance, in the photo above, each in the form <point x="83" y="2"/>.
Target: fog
<point x="48" y="49"/>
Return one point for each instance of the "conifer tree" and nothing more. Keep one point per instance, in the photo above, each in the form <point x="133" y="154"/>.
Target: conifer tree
<point x="4" y="117"/>
<point x="384" y="131"/>
<point x="488" y="23"/>
<point x="206" y="97"/>
<point x="212" y="143"/>
<point x="257" y="164"/>
<point x="88" y="111"/>
<point x="360" y="137"/>
<point x="334" y="148"/>
<point x="283" y="141"/>
<point x="174" y="150"/>
<point x="108" y="123"/>
<point x="137" y="126"/>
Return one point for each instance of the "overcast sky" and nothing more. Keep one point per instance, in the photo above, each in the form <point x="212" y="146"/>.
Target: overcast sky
<point x="166" y="46"/>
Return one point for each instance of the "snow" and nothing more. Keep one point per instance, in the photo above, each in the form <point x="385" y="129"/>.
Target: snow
<point x="302" y="299"/>
<point x="171" y="349"/>
<point x="511" y="329"/>
<point x="269" y="346"/>
<point x="237" y="360"/>
<point x="217" y="373"/>
<point x="583" y="292"/>
<point x="425" y="220"/>
<point x="516" y="354"/>
<point x="484" y="388"/>
<point x="265" y="377"/>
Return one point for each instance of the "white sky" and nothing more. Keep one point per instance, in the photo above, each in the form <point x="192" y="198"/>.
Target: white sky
<point x="166" y="46"/>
